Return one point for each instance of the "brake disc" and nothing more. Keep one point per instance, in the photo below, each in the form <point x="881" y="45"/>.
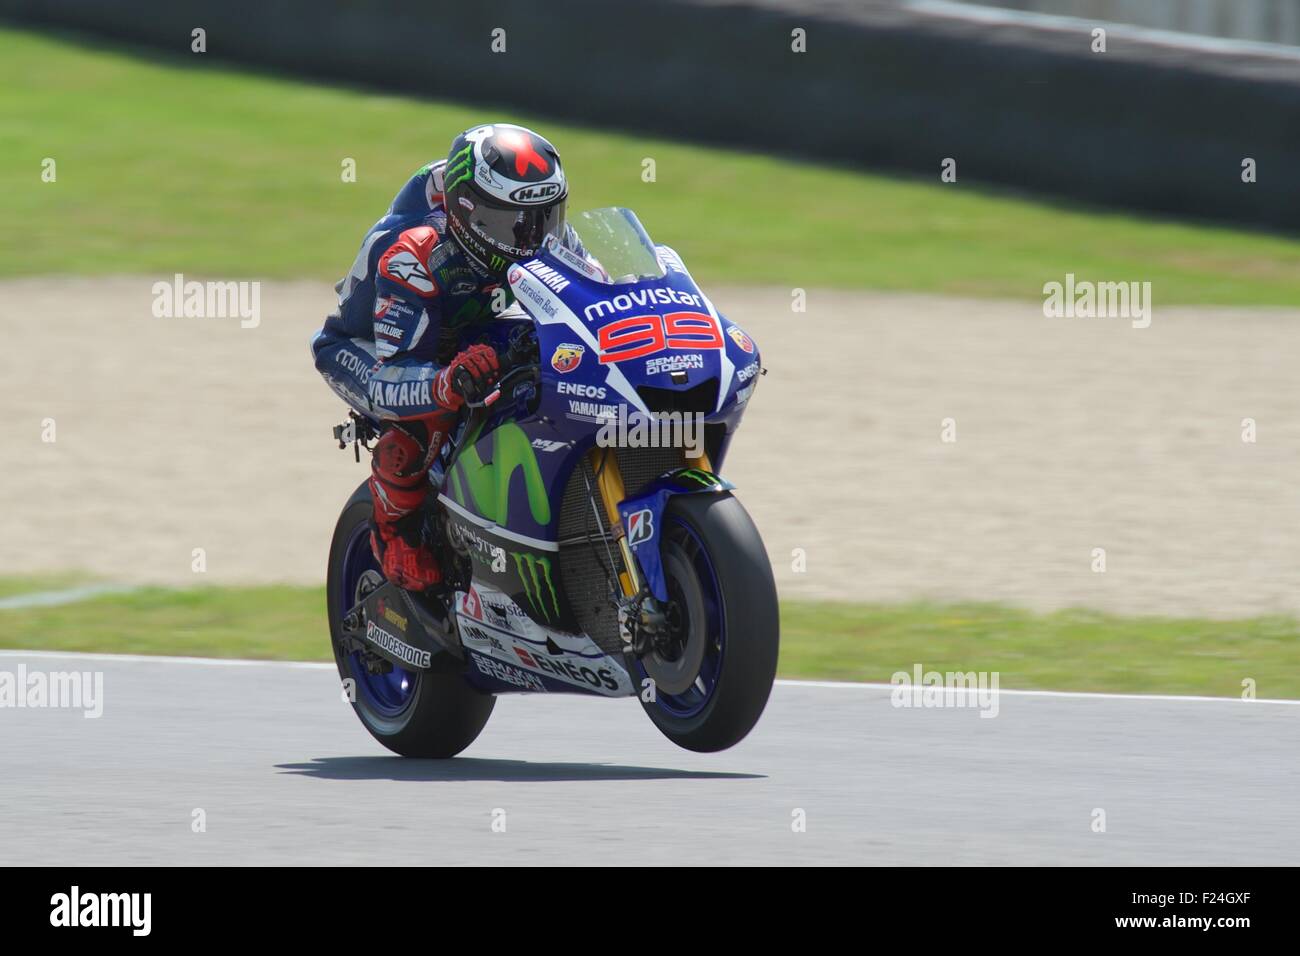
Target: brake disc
<point x="368" y="581"/>
<point x="676" y="676"/>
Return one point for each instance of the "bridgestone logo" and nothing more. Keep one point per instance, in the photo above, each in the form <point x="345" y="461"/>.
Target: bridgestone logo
<point x="377" y="636"/>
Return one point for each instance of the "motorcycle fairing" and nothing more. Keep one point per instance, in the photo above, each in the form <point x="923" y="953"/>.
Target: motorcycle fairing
<point x="506" y="473"/>
<point x="597" y="337"/>
<point x="493" y="627"/>
<point x="642" y="516"/>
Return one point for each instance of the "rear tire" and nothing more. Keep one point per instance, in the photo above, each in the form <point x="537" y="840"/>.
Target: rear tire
<point x="741" y="625"/>
<point x="433" y="715"/>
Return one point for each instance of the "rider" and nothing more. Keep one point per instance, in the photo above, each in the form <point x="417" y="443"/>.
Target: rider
<point x="397" y="348"/>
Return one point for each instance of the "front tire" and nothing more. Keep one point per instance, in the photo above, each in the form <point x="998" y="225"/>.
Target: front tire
<point x="412" y="713"/>
<point x="727" y="622"/>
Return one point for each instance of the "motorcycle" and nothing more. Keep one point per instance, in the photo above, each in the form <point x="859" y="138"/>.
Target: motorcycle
<point x="581" y="553"/>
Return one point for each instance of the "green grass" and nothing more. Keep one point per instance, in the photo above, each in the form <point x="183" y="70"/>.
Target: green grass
<point x="276" y="623"/>
<point x="1074" y="649"/>
<point x="170" y="164"/>
<point x="30" y="584"/>
<point x="1067" y="650"/>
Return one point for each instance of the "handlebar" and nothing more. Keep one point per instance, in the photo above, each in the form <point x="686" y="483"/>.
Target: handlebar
<point x="514" y="377"/>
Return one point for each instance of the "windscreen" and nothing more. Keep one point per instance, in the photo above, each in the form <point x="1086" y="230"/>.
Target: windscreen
<point x="615" y="238"/>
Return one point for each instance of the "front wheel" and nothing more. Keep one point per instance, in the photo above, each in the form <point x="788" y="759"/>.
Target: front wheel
<point x="412" y="713"/>
<point x="713" y="675"/>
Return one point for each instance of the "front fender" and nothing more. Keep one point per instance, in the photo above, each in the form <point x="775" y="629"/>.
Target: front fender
<point x="642" y="516"/>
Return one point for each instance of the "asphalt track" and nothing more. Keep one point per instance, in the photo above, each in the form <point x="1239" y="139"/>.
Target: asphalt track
<point x="285" y="774"/>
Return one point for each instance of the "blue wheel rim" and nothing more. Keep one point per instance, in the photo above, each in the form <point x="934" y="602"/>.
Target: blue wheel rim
<point x="386" y="694"/>
<point x="694" y="699"/>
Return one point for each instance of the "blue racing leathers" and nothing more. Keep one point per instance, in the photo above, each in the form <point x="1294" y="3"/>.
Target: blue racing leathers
<point x="410" y="302"/>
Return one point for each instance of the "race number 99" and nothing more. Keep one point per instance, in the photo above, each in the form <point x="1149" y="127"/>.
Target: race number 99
<point x="643" y="335"/>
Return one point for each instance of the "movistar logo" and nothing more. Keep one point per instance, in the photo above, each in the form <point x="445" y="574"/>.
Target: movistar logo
<point x="528" y="565"/>
<point x="489" y="482"/>
<point x="460" y="168"/>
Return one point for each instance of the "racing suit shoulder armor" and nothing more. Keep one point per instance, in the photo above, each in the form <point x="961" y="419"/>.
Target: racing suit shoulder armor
<point x="406" y="261"/>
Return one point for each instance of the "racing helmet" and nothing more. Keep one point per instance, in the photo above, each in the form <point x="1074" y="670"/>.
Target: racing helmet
<point x="505" y="193"/>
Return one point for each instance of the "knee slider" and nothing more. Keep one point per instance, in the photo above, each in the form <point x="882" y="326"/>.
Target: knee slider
<point x="399" y="458"/>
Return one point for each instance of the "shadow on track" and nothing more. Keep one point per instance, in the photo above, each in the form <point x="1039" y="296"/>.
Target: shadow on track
<point x="507" y="771"/>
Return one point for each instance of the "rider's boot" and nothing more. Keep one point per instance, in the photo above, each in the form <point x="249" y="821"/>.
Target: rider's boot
<point x="399" y="485"/>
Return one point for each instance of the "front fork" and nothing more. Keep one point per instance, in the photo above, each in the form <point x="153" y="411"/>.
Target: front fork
<point x="643" y="618"/>
<point x="609" y="481"/>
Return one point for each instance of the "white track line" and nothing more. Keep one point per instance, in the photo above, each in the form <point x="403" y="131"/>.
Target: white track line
<point x="164" y="659"/>
<point x="832" y="685"/>
<point x="1081" y="694"/>
<point x="66" y="596"/>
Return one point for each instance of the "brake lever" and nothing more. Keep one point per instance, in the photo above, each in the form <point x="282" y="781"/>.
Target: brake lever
<point x="488" y="400"/>
<point x="492" y="396"/>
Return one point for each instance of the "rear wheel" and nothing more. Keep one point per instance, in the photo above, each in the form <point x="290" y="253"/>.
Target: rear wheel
<point x="412" y="713"/>
<point x="714" y="673"/>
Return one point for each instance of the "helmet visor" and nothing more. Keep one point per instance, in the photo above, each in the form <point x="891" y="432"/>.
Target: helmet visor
<point x="513" y="232"/>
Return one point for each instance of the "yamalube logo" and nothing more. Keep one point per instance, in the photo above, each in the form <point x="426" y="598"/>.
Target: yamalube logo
<point x="103" y="909"/>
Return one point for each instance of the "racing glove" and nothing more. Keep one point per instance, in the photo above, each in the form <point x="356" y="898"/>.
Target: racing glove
<point x="469" y="377"/>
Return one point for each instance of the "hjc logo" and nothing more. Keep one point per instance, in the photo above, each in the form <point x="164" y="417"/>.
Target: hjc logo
<point x="541" y="192"/>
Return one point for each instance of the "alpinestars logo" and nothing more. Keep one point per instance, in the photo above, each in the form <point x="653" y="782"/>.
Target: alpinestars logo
<point x="409" y="270"/>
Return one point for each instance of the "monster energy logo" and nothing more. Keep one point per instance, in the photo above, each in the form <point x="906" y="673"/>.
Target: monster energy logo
<point x="460" y="167"/>
<point x="698" y="474"/>
<point x="527" y="565"/>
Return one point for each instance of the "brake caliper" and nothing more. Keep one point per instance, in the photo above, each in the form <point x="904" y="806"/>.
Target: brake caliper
<point x="643" y="623"/>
